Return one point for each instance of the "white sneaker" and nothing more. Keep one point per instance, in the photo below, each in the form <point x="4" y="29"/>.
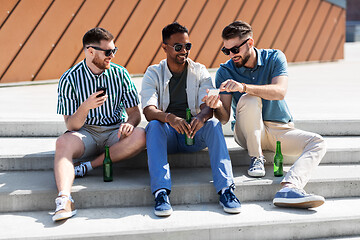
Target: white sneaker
<point x="65" y="208"/>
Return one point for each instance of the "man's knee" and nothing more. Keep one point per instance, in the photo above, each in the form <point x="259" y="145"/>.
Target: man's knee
<point x="320" y="142"/>
<point x="153" y="124"/>
<point x="139" y="136"/>
<point x="70" y="144"/>
<point x="249" y="101"/>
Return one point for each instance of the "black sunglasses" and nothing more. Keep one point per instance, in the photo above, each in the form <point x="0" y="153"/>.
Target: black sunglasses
<point x="178" y="46"/>
<point x="107" y="52"/>
<point x="234" y="50"/>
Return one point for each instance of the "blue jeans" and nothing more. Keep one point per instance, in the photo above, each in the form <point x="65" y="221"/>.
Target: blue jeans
<point x="162" y="139"/>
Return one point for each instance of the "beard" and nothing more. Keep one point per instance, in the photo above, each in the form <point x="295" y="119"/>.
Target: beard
<point x="243" y="61"/>
<point x="181" y="60"/>
<point x="100" y="63"/>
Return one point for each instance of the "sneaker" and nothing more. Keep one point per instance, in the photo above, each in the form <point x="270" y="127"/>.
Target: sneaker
<point x="65" y="208"/>
<point x="80" y="169"/>
<point x="257" y="168"/>
<point x="229" y="201"/>
<point x="297" y="198"/>
<point x="162" y="205"/>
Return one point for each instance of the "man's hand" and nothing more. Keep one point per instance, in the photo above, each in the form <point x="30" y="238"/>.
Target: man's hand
<point x="179" y="124"/>
<point x="93" y="101"/>
<point x="195" y="124"/>
<point x="125" y="130"/>
<point x="231" y="86"/>
<point x="212" y="101"/>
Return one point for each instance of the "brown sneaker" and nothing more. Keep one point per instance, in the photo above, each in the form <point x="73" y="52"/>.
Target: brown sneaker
<point x="65" y="208"/>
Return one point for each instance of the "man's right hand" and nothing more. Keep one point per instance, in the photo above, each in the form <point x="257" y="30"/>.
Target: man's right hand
<point x="180" y="124"/>
<point x="93" y="101"/>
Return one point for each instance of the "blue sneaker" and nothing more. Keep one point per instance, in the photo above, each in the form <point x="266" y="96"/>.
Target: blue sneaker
<point x="229" y="202"/>
<point x="162" y="205"/>
<point x="257" y="168"/>
<point x="297" y="198"/>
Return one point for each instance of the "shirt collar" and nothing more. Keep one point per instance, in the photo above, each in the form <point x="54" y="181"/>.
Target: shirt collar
<point x="87" y="69"/>
<point x="259" y="62"/>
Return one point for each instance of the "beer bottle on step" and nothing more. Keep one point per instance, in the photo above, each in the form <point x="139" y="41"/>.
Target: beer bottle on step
<point x="278" y="161"/>
<point x="188" y="141"/>
<point x="107" y="166"/>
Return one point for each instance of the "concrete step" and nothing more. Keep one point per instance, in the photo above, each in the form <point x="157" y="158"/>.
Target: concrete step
<point x="258" y="220"/>
<point x="54" y="127"/>
<point x="37" y="153"/>
<point x="36" y="190"/>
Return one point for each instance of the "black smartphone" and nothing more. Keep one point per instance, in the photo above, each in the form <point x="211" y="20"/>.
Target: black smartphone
<point x="100" y="88"/>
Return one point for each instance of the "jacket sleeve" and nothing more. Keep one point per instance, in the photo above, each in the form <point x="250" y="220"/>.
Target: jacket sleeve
<point x="205" y="83"/>
<point x="149" y="89"/>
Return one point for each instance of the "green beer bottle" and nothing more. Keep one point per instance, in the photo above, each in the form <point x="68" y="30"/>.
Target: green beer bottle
<point x="278" y="161"/>
<point x="107" y="166"/>
<point x="188" y="141"/>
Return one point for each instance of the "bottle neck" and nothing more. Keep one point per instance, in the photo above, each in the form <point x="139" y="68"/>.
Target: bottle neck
<point x="107" y="154"/>
<point x="278" y="147"/>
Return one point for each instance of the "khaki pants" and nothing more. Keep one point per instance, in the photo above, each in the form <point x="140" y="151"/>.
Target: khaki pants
<point x="256" y="135"/>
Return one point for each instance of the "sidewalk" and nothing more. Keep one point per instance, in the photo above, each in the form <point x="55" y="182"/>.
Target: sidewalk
<point x="319" y="91"/>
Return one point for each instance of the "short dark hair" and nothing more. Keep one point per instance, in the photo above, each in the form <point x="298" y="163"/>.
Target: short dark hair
<point x="237" y="29"/>
<point x="95" y="35"/>
<point x="171" y="29"/>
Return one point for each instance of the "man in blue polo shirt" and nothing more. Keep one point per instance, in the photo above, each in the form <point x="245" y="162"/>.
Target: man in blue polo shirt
<point x="254" y="83"/>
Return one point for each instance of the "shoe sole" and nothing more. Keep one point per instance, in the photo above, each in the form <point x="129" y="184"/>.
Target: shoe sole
<point x="165" y="213"/>
<point x="230" y="210"/>
<point x="63" y="216"/>
<point x="295" y="203"/>
<point x="256" y="174"/>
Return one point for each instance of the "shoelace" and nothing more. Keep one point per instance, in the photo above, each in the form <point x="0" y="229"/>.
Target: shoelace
<point x="230" y="195"/>
<point x="60" y="203"/>
<point x="258" y="162"/>
<point x="80" y="170"/>
<point x="161" y="198"/>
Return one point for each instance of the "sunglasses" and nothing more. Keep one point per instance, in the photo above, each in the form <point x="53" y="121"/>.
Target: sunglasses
<point x="234" y="50"/>
<point x="107" y="52"/>
<point x="178" y="46"/>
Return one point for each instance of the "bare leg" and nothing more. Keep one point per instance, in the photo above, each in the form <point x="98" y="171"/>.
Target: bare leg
<point x="127" y="147"/>
<point x="68" y="146"/>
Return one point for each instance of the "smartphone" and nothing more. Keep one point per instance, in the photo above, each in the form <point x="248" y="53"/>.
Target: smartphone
<point x="100" y="88"/>
<point x="213" y="92"/>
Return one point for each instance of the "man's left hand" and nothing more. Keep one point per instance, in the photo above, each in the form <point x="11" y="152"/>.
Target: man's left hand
<point x="195" y="124"/>
<point x="125" y="129"/>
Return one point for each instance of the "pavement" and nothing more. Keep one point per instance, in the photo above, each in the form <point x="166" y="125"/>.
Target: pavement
<point x="317" y="91"/>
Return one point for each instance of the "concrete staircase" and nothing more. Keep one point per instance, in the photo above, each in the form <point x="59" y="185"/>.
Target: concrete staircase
<point x="123" y="209"/>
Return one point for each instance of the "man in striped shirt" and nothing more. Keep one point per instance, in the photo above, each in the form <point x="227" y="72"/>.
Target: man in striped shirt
<point x="94" y="118"/>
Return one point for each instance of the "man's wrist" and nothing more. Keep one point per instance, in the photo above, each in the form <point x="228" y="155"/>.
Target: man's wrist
<point x="167" y="117"/>
<point x="244" y="88"/>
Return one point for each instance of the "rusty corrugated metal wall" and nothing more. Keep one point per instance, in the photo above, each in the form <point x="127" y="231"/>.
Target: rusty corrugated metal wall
<point x="41" y="39"/>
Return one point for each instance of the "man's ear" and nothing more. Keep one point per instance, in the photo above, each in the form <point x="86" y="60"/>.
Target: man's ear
<point x="163" y="45"/>
<point x="251" y="42"/>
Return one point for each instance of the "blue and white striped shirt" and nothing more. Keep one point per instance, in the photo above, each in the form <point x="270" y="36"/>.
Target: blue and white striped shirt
<point x="78" y="83"/>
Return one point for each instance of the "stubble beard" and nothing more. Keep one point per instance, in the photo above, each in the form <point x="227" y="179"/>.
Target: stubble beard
<point x="99" y="63"/>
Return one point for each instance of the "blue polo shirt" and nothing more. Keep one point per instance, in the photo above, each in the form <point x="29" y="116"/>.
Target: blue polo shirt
<point x="270" y="63"/>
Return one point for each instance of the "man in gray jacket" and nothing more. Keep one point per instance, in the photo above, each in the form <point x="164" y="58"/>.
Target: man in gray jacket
<point x="168" y="89"/>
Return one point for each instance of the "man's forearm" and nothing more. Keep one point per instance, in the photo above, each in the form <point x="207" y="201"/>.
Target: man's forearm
<point x="77" y="120"/>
